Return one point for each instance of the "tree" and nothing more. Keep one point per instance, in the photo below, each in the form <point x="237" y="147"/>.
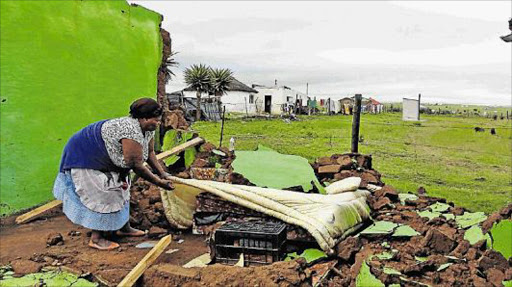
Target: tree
<point x="221" y="79"/>
<point x="198" y="77"/>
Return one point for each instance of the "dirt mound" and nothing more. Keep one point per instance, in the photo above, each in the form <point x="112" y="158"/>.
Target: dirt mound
<point x="292" y="273"/>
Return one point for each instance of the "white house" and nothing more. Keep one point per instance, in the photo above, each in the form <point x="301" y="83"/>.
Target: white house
<point x="236" y="99"/>
<point x="277" y="99"/>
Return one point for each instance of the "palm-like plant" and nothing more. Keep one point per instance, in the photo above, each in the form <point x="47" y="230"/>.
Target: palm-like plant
<point x="198" y="77"/>
<point x="170" y="63"/>
<point x="221" y="79"/>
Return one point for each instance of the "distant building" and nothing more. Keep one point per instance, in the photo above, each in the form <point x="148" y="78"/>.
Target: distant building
<point x="373" y="106"/>
<point x="238" y="97"/>
<point x="368" y="105"/>
<point x="278" y="99"/>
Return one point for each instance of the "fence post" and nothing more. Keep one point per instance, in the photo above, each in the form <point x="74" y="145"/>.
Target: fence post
<point x="246" y="112"/>
<point x="222" y="125"/>
<point x="356" y="118"/>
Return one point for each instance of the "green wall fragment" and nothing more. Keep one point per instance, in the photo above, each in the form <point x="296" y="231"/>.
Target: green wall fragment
<point x="380" y="228"/>
<point x="65" y="64"/>
<point x="268" y="168"/>
<point x="502" y="237"/>
<point x="439" y="207"/>
<point x="404" y="231"/>
<point x="366" y="279"/>
<point x="469" y="219"/>
<point x="475" y="234"/>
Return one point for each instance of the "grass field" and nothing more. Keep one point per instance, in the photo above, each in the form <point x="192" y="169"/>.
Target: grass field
<point x="444" y="154"/>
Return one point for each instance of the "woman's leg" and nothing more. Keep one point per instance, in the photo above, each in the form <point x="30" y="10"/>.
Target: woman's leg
<point x="127" y="230"/>
<point x="99" y="242"/>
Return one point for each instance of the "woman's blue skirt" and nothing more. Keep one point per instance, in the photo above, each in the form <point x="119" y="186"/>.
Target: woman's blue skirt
<point x="64" y="189"/>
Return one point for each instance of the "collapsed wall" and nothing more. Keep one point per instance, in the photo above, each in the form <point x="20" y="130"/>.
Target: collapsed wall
<point x="66" y="64"/>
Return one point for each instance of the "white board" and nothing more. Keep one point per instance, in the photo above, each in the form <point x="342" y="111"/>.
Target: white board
<point x="410" y="110"/>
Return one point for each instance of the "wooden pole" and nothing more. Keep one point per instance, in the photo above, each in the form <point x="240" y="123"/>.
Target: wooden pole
<point x="222" y="126"/>
<point x="356" y="118"/>
<point x="146" y="262"/>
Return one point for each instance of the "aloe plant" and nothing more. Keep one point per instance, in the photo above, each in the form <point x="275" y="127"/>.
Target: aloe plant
<point x="198" y="77"/>
<point x="220" y="81"/>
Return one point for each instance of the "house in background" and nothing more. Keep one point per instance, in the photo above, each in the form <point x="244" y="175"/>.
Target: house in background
<point x="373" y="106"/>
<point x="368" y="105"/>
<point x="236" y="99"/>
<point x="278" y="99"/>
<point x="346" y="105"/>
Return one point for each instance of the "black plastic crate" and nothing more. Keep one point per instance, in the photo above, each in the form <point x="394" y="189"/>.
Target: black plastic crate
<point x="260" y="242"/>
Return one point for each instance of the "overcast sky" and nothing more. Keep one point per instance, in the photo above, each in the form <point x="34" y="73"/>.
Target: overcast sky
<point x="448" y="51"/>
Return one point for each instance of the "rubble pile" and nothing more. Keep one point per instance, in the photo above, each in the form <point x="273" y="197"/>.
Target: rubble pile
<point x="341" y="166"/>
<point x="427" y="243"/>
<point x="438" y="254"/>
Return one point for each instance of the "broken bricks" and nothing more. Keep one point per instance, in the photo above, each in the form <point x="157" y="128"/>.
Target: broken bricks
<point x="438" y="241"/>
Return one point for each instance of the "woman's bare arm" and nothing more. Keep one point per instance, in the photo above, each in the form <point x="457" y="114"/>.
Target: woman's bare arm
<point x="132" y="152"/>
<point x="153" y="161"/>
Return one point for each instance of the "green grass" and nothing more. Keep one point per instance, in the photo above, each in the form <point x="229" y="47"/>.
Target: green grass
<point x="441" y="153"/>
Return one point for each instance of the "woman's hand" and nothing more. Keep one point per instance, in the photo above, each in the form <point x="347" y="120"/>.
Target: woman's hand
<point x="166" y="184"/>
<point x="166" y="175"/>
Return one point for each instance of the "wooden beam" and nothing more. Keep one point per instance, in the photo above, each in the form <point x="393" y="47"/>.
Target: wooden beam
<point x="180" y="148"/>
<point x="34" y="213"/>
<point x="144" y="264"/>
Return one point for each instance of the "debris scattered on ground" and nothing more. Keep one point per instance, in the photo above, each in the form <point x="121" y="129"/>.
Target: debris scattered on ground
<point x="146" y="244"/>
<point x="54" y="239"/>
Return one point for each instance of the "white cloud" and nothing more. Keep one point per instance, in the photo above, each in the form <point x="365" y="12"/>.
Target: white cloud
<point x="390" y="49"/>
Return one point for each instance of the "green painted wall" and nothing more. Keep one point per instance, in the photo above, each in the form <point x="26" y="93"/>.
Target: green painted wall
<point x="65" y="64"/>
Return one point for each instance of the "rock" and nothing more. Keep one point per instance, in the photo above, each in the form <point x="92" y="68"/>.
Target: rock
<point x="381" y="202"/>
<point x="159" y="207"/>
<point x="155" y="232"/>
<point x="481" y="245"/>
<point x="54" y="239"/>
<point x="438" y="242"/>
<point x="207" y="147"/>
<point x="23" y="266"/>
<point x="422" y="190"/>
<point x="495" y="277"/>
<point x="345" y="161"/>
<point x="333" y="168"/>
<point x="492" y="259"/>
<point x="369" y="177"/>
<point x="199" y="162"/>
<point x="387" y="191"/>
<point x="487" y="224"/>
<point x="472" y="254"/>
<point x="323" y="161"/>
<point x="153" y="217"/>
<point x="342" y="174"/>
<point x="479" y="281"/>
<point x="364" y="161"/>
<point x="457" y="210"/>
<point x="144" y="203"/>
<point x="506" y="211"/>
<point x="461" y="249"/>
<point x="154" y="196"/>
<point x="348" y="247"/>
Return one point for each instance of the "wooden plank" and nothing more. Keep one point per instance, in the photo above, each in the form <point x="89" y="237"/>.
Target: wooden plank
<point x="180" y="148"/>
<point x="144" y="264"/>
<point x="34" y="213"/>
